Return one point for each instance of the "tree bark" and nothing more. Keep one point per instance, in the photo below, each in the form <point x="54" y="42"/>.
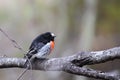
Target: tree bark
<point x="71" y="64"/>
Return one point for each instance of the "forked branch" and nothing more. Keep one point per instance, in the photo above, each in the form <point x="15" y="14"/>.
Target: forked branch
<point x="71" y="64"/>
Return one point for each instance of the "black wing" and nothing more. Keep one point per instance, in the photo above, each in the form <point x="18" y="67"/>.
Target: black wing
<point x="33" y="49"/>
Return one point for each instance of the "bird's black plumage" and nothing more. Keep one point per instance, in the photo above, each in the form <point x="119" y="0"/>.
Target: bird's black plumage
<point x="39" y="42"/>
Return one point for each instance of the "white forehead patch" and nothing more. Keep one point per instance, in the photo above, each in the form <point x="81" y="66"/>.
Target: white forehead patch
<point x="53" y="34"/>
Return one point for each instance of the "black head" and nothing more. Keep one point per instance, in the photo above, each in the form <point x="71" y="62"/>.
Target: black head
<point x="48" y="36"/>
<point x="45" y="37"/>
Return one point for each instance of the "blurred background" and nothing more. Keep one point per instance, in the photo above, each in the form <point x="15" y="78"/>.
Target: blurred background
<point x="80" y="25"/>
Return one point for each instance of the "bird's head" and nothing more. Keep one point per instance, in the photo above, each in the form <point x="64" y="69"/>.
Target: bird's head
<point x="48" y="36"/>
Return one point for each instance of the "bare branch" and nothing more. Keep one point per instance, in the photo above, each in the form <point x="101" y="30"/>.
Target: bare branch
<point x="70" y="64"/>
<point x="90" y="73"/>
<point x="95" y="57"/>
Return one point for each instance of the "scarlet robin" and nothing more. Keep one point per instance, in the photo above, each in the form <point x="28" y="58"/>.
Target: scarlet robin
<point x="41" y="46"/>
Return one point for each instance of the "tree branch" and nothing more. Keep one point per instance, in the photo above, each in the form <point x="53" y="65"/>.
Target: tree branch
<point x="95" y="57"/>
<point x="71" y="64"/>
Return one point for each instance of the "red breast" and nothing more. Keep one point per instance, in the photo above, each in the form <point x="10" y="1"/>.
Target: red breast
<point x="52" y="44"/>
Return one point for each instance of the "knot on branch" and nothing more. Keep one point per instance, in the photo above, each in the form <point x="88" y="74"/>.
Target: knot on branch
<point x="82" y="58"/>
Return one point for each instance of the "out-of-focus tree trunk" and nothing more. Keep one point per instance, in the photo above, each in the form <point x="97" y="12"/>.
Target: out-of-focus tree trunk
<point x="87" y="26"/>
<point x="62" y="30"/>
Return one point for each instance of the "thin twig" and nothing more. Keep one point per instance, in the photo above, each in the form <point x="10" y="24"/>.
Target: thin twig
<point x="15" y="44"/>
<point x="29" y="66"/>
<point x="22" y="74"/>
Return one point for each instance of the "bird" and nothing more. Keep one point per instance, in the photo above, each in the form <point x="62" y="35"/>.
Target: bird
<point x="41" y="46"/>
